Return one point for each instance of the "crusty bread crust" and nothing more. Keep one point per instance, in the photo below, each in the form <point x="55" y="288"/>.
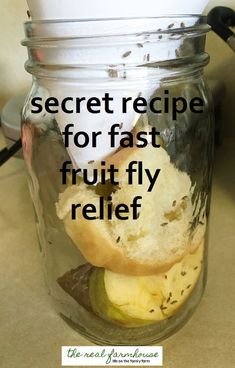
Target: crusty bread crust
<point x="97" y="244"/>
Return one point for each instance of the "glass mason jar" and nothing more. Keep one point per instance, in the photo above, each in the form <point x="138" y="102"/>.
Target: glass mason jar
<point x="136" y="276"/>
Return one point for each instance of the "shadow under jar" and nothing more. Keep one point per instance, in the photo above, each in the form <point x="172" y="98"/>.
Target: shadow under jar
<point x="135" y="281"/>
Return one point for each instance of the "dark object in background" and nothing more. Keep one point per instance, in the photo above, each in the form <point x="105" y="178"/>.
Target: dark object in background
<point x="11" y="128"/>
<point x="6" y="153"/>
<point x="220" y="19"/>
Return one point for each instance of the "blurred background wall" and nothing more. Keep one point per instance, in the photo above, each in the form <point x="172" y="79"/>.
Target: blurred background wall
<point x="14" y="80"/>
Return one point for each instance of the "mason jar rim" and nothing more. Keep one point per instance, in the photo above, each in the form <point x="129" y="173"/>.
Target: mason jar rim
<point x="118" y="46"/>
<point x="120" y="27"/>
<point x="77" y="20"/>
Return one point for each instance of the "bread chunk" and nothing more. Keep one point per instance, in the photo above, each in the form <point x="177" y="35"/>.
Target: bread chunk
<point x="161" y="235"/>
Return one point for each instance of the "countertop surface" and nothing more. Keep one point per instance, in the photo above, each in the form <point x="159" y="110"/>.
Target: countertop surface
<point x="31" y="333"/>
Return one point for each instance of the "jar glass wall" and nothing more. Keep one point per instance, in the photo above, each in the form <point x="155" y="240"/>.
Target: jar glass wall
<point x="137" y="280"/>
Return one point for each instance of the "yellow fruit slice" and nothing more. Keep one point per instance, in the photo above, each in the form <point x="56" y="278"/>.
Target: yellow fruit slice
<point x="102" y="306"/>
<point x="154" y="297"/>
